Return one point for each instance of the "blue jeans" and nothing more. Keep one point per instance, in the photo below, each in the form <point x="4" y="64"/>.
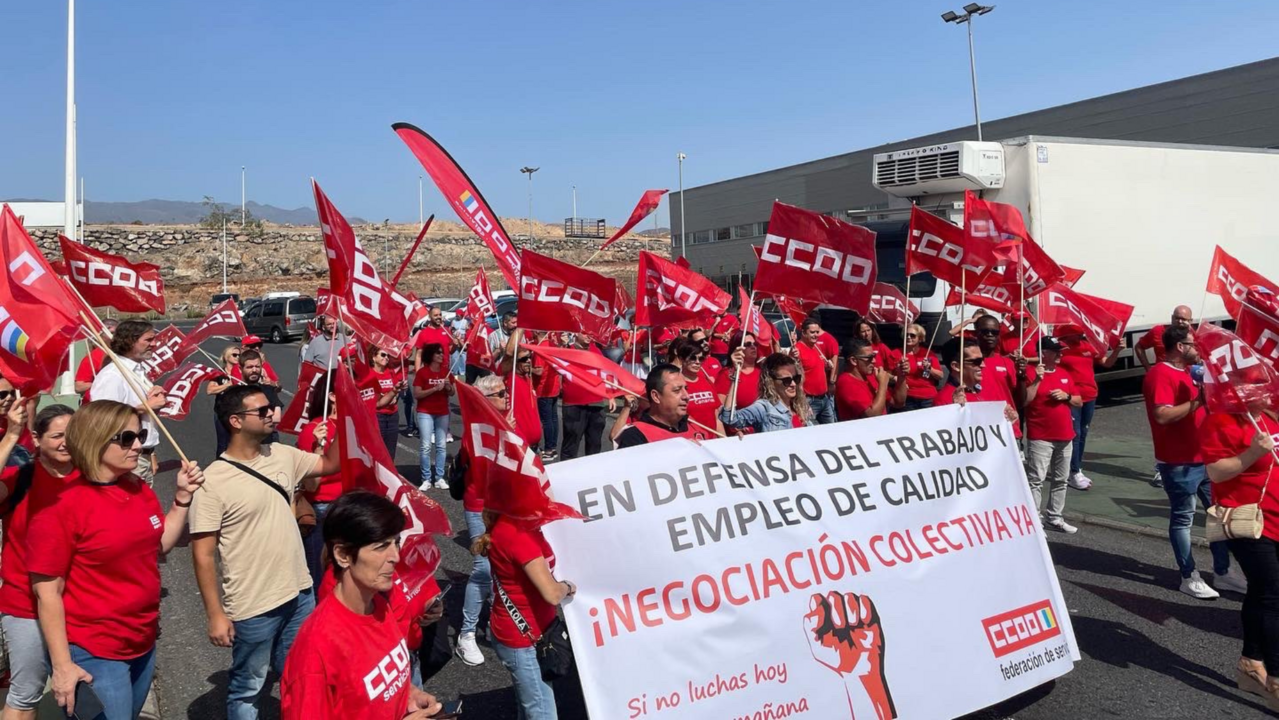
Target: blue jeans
<point x="823" y="409"/>
<point x="548" y="413"/>
<point x="121" y="685"/>
<point x="457" y="363"/>
<point x="480" y="586"/>
<point x="1082" y="417"/>
<point x="409" y="403"/>
<point x="389" y="427"/>
<point x="1184" y="483"/>
<point x="313" y="544"/>
<point x="261" y="641"/>
<point x="434" y="430"/>
<point x="534" y="695"/>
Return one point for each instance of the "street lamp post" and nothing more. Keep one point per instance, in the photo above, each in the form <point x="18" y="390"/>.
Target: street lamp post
<point x="683" y="231"/>
<point x="419" y="200"/>
<point x="243" y="216"/>
<point x="574" y="204"/>
<point x="529" y="171"/>
<point x="69" y="219"/>
<point x="971" y="10"/>
<point x="224" y="253"/>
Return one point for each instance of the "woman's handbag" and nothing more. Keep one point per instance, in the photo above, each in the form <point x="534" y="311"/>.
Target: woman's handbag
<point x="1237" y="523"/>
<point x="554" y="651"/>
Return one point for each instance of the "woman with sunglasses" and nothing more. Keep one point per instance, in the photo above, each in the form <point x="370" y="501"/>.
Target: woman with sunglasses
<point x="315" y="437"/>
<point x="432" y="386"/>
<point x="743" y="351"/>
<point x="230" y="362"/>
<point x="920" y="367"/>
<point x="703" y="402"/>
<point x="94" y="562"/>
<point x="866" y="330"/>
<point x="380" y="387"/>
<point x="782" y="404"/>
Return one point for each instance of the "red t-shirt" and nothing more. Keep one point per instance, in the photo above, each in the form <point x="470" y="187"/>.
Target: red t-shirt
<point x="1009" y="341"/>
<point x="407" y="608"/>
<point x="918" y="388"/>
<point x="999" y="381"/>
<point x="436" y="403"/>
<point x="828" y="344"/>
<point x="549" y="383"/>
<point x="813" y="365"/>
<point x="330" y="488"/>
<point x="347" y="665"/>
<point x="1079" y="361"/>
<point x="16" y="597"/>
<point x="703" y="402"/>
<point x="946" y="396"/>
<point x="431" y="334"/>
<point x="854" y="396"/>
<point x="1224" y="436"/>
<point x="1178" y="443"/>
<point x="1048" y="419"/>
<point x="727" y="324"/>
<point x="104" y="540"/>
<point x="574" y="395"/>
<point x="89" y="368"/>
<point x="268" y="372"/>
<point x="1152" y="340"/>
<point x="711" y="368"/>
<point x="524" y="404"/>
<point x="373" y="385"/>
<point x="747" y="387"/>
<point x="883" y="355"/>
<point x="512" y="549"/>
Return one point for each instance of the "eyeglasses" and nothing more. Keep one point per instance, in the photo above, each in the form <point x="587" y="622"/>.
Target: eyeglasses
<point x="788" y="380"/>
<point x="989" y="331"/>
<point x="262" y="412"/>
<point x="235" y="355"/>
<point x="748" y="345"/>
<point x="974" y="362"/>
<point x="126" y="438"/>
<point x="865" y="358"/>
<point x="914" y="335"/>
<point x="383" y="354"/>
<point x="499" y="394"/>
<point x="6" y="394"/>
<point x="525" y="359"/>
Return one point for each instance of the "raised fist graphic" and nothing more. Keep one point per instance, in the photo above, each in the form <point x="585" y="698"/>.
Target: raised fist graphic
<point x="844" y="634"/>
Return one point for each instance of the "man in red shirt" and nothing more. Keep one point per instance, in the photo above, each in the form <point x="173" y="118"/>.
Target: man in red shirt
<point x="818" y="369"/>
<point x="862" y="390"/>
<point x="1154" y="337"/>
<point x="433" y="332"/>
<point x="1050" y="431"/>
<point x="966" y="366"/>
<point x="1175" y="410"/>
<point x="583" y="413"/>
<point x="667" y="414"/>
<point x="1005" y="377"/>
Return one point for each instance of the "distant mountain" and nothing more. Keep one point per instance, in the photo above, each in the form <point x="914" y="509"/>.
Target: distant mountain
<point x="655" y="232"/>
<point x="178" y="212"/>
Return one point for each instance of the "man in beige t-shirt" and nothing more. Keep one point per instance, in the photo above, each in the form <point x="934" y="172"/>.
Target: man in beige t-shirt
<point x="265" y="591"/>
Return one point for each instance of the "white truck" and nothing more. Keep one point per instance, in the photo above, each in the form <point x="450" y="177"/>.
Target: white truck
<point x="1141" y="219"/>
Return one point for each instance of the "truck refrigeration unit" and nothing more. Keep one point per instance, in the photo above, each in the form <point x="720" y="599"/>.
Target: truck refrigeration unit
<point x="1141" y="219"/>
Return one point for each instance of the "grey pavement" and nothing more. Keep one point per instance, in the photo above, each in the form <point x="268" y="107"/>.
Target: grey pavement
<point x="1149" y="651"/>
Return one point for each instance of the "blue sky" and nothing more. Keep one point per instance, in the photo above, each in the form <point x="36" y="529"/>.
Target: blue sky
<point x="174" y="97"/>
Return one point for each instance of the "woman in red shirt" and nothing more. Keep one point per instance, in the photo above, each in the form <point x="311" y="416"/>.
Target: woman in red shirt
<point x="24" y="491"/>
<point x="745" y="364"/>
<point x="703" y="403"/>
<point x="432" y="386"/>
<point x="1079" y="358"/>
<point x="866" y="330"/>
<point x="380" y="386"/>
<point x="522" y="562"/>
<point x="315" y="437"/>
<point x="351" y="657"/>
<point x="94" y="562"/>
<point x="1239" y="454"/>
<point x="921" y="368"/>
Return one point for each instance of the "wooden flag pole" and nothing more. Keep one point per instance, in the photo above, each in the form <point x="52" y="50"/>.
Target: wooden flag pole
<point x="409" y="256"/>
<point x="592" y="257"/>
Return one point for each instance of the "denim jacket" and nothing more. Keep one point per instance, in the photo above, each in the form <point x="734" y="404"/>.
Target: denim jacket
<point x="761" y="415"/>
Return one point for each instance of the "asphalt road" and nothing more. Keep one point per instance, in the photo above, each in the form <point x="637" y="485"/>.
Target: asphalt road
<point x="1149" y="652"/>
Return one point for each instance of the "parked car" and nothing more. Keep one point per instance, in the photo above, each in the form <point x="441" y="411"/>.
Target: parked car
<point x="280" y="319"/>
<point x="503" y="304"/>
<point x="446" y="305"/>
<point x="247" y="303"/>
<point x="220" y="298"/>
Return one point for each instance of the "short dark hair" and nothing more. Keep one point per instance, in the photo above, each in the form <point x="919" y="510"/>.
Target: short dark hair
<point x="985" y="318"/>
<point x="45" y="417"/>
<point x="738" y="338"/>
<point x="510" y="315"/>
<point x="126" y="335"/>
<point x="854" y="346"/>
<point x="360" y="518"/>
<point x="1174" y="334"/>
<point x="656" y="380"/>
<point x="319" y="394"/>
<point x="429" y="350"/>
<point x="248" y="354"/>
<point x="953" y="351"/>
<point x="808" y="322"/>
<point x="231" y="401"/>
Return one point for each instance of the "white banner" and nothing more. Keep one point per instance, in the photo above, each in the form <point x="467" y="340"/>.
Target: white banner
<point x="892" y="567"/>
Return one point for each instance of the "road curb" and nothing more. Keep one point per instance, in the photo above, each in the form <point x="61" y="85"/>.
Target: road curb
<point x="1120" y="525"/>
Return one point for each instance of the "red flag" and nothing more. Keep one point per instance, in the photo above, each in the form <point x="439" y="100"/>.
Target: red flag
<point x="1119" y="311"/>
<point x="1072" y="276"/>
<point x="223" y="321"/>
<point x="476" y="345"/>
<point x="752" y="320"/>
<point x="888" y="304"/>
<point x="997" y="223"/>
<point x="672" y="295"/>
<point x="645" y="207"/>
<point x="464" y="197"/>
<point x="623" y="301"/>
<point x="38" y="317"/>
<point x="1037" y="271"/>
<point x="165" y="351"/>
<point x="589" y="370"/>
<point x="1231" y="279"/>
<point x="326" y="303"/>
<point x="372" y="308"/>
<point x="797" y="310"/>
<point x="295" y="415"/>
<point x="941" y="248"/>
<point x="557" y="296"/>
<point x="104" y="279"/>
<point x="684" y="263"/>
<point x="1234" y="375"/>
<point x="480" y="303"/>
<point x="409" y="256"/>
<point x="366" y="464"/>
<point x="515" y="483"/>
<point x="418" y="310"/>
<point x="181" y="388"/>
<point x="995" y="298"/>
<point x="818" y="258"/>
<point x="1259" y="322"/>
<point x="1063" y="306"/>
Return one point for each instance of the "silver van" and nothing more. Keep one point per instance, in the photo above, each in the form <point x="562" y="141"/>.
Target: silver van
<point x="280" y="319"/>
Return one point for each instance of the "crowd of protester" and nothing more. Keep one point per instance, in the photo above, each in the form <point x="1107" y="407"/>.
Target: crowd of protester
<point x="298" y="577"/>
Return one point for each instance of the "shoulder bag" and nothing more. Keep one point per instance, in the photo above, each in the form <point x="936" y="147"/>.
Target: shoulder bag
<point x="554" y="651"/>
<point x="1237" y="523"/>
<point x="303" y="512"/>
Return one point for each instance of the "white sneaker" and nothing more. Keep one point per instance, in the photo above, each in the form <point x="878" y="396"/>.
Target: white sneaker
<point x="449" y="439"/>
<point x="1078" y="481"/>
<point x="441" y="484"/>
<point x="1195" y="587"/>
<point x="468" y="651"/>
<point x="1157" y="480"/>
<point x="1061" y="526"/>
<point x="1232" y="580"/>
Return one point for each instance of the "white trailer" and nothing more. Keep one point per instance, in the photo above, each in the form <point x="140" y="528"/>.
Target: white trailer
<point x="1141" y="219"/>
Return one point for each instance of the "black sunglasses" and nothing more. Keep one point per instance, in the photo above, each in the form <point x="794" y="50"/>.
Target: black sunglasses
<point x="865" y="358"/>
<point x="789" y="380"/>
<point x="262" y="412"/>
<point x="988" y="331"/>
<point x="500" y="394"/>
<point x="126" y="438"/>
<point x="6" y="394"/>
<point x="975" y="362"/>
<point x="748" y="345"/>
<point x="525" y="359"/>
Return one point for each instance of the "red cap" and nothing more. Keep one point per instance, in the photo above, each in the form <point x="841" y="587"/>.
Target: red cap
<point x="251" y="340"/>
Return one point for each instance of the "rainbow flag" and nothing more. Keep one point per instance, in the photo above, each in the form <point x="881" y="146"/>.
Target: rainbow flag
<point x="13" y="339"/>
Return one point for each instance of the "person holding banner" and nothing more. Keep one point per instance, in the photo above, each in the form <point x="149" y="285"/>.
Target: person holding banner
<point x="782" y="404"/>
<point x="743" y="351"/>
<point x="583" y="413"/>
<point x="862" y="389"/>
<point x="1005" y="377"/>
<point x="94" y="561"/>
<point x="1050" y="432"/>
<point x="1239" y="453"/>
<point x="666" y="390"/>
<point x="432" y="386"/>
<point x="702" y="403"/>
<point x="1080" y="360"/>
<point x="966" y="363"/>
<point x="818" y="371"/>
<point x="919" y="365"/>
<point x="131" y="342"/>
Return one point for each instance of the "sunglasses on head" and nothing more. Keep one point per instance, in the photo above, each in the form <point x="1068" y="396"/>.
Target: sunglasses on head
<point x="126" y="438"/>
<point x="262" y="412"/>
<point x="788" y="380"/>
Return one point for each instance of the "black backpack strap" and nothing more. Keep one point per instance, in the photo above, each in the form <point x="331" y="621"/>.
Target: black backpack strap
<point x="244" y="468"/>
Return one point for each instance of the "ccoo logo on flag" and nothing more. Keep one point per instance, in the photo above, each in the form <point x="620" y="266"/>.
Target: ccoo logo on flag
<point x="12" y="337"/>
